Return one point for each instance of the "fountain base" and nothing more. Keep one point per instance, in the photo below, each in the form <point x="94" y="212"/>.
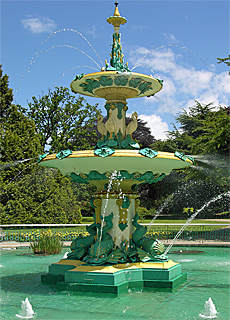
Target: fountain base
<point x="75" y="275"/>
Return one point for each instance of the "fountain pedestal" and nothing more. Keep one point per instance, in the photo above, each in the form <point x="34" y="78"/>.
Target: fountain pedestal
<point x="74" y="275"/>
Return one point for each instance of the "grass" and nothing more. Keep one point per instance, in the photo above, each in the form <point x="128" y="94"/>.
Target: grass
<point x="166" y="221"/>
<point x="213" y="221"/>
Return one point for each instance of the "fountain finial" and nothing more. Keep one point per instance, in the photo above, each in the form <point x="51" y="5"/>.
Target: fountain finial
<point x="116" y="12"/>
<point x="116" y="20"/>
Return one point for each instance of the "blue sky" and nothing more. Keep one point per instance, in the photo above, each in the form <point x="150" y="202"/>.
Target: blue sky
<point x="177" y="41"/>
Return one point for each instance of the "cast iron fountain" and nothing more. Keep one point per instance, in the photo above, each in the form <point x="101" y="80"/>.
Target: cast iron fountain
<point x="117" y="254"/>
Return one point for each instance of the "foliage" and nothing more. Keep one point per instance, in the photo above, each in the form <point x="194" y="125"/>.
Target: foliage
<point x="29" y="194"/>
<point x="188" y="210"/>
<point x="142" y="212"/>
<point x="43" y="196"/>
<point x="6" y="95"/>
<point x="83" y="193"/>
<point x="203" y="131"/>
<point x="225" y="60"/>
<point x="143" y="133"/>
<point x="63" y="121"/>
<point x="47" y="243"/>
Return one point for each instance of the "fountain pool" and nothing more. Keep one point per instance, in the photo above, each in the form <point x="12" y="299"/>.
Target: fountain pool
<point x="208" y="276"/>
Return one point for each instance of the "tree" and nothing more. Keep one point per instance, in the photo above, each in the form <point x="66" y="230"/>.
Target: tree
<point x="203" y="131"/>
<point x="43" y="196"/>
<point x="29" y="194"/>
<point x="6" y="95"/>
<point x="143" y="133"/>
<point x="63" y="121"/>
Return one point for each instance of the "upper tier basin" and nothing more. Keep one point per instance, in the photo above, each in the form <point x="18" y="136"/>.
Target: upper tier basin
<point x="131" y="161"/>
<point x="115" y="85"/>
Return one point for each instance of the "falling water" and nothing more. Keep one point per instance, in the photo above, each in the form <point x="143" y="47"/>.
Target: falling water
<point x="34" y="59"/>
<point x="210" y="310"/>
<point x="64" y="73"/>
<point x="112" y="177"/>
<point x="73" y="30"/>
<point x="144" y="65"/>
<point x="193" y="216"/>
<point x="71" y="47"/>
<point x="27" y="311"/>
<point x="187" y="49"/>
<point x="172" y="45"/>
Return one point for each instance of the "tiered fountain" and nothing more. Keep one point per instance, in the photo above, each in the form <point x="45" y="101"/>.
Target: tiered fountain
<point x="117" y="254"/>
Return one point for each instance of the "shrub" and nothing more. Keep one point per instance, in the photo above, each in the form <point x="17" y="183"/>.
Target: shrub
<point x="47" y="244"/>
<point x="142" y="212"/>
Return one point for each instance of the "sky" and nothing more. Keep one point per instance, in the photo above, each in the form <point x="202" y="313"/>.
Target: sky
<point x="45" y="44"/>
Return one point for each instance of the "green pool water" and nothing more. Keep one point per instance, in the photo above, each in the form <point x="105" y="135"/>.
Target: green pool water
<point x="208" y="276"/>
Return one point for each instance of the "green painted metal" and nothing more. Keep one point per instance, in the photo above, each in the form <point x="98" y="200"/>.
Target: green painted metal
<point x="148" y="152"/>
<point x="148" y="177"/>
<point x="63" y="154"/>
<point x="104" y="152"/>
<point x="115" y="282"/>
<point x="41" y="157"/>
<point x="183" y="157"/>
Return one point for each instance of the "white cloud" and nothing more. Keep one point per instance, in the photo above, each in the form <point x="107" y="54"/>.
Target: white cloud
<point x="183" y="83"/>
<point x="39" y="25"/>
<point x="157" y="126"/>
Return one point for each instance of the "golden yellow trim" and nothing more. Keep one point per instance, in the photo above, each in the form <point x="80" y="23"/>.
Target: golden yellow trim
<point x="103" y="73"/>
<point x="81" y="267"/>
<point x="117" y="153"/>
<point x="97" y="204"/>
<point x="67" y="262"/>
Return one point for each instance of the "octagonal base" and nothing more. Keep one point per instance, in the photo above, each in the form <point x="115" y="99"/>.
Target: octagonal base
<point x="75" y="275"/>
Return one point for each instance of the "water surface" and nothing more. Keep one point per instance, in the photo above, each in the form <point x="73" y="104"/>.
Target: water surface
<point x="208" y="276"/>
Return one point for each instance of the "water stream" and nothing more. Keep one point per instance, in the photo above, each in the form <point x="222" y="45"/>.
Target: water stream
<point x="21" y="172"/>
<point x="39" y="51"/>
<point x="27" y="311"/>
<point x="109" y="188"/>
<point x="71" y="47"/>
<point x="15" y="163"/>
<point x="159" y="211"/>
<point x="210" y="310"/>
<point x="193" y="216"/>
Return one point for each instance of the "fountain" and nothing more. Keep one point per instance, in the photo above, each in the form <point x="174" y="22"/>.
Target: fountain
<point x="27" y="311"/>
<point x="117" y="254"/>
<point x="210" y="310"/>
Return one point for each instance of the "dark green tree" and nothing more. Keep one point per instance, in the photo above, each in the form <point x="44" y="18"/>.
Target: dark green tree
<point x="143" y="133"/>
<point x="63" y="121"/>
<point x="6" y="95"/>
<point x="29" y="194"/>
<point x="204" y="133"/>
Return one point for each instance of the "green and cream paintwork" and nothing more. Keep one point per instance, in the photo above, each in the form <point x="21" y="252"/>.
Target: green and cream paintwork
<point x="115" y="236"/>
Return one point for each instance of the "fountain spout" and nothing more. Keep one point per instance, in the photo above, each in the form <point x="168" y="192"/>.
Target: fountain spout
<point x="27" y="311"/>
<point x="210" y="310"/>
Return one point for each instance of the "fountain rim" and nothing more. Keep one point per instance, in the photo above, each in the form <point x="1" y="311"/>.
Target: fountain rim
<point x="76" y="84"/>
<point x="117" y="153"/>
